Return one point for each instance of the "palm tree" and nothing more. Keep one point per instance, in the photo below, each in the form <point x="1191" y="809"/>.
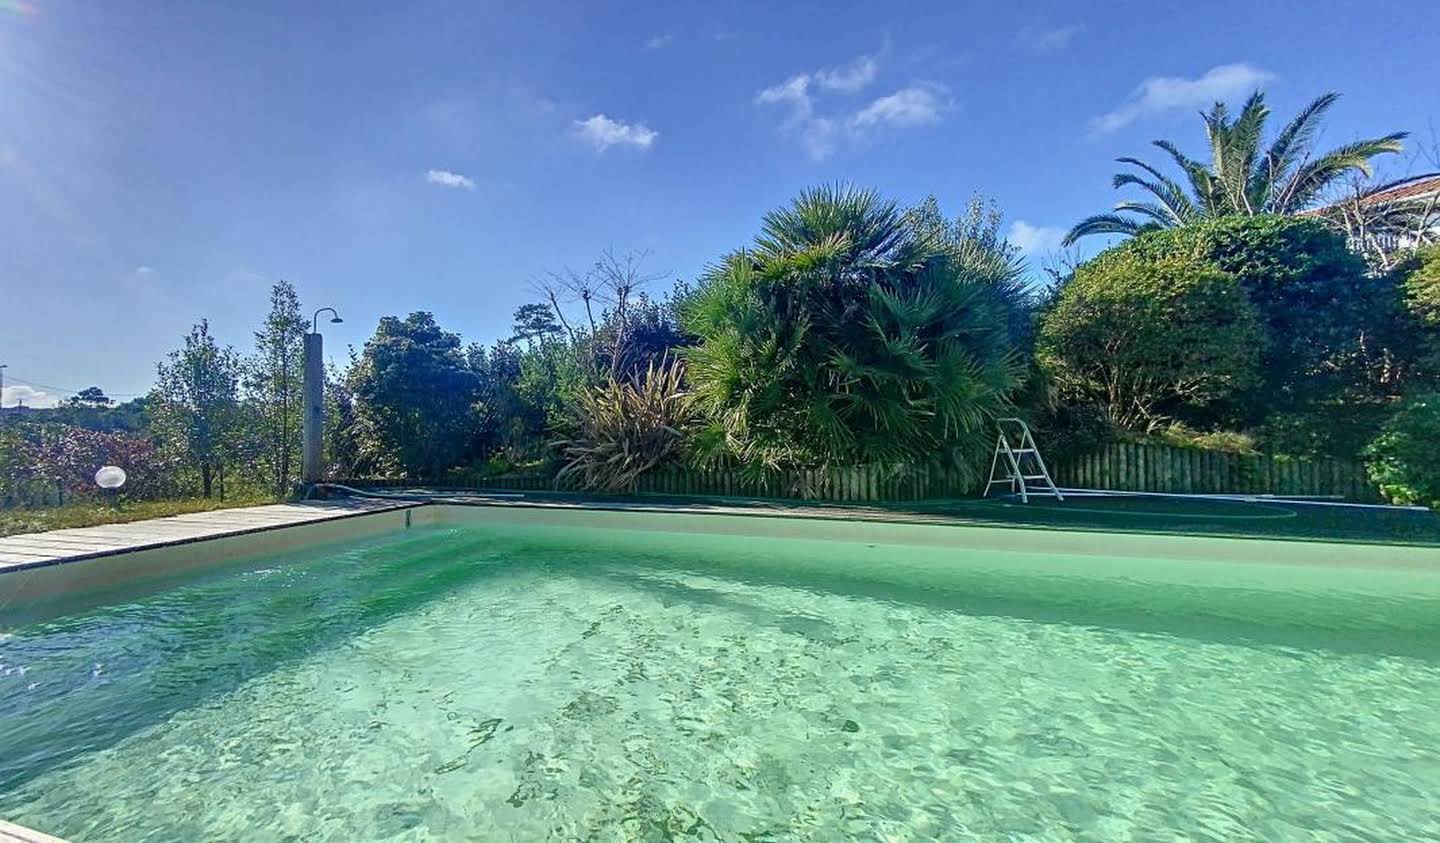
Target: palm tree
<point x="848" y="335"/>
<point x="1239" y="180"/>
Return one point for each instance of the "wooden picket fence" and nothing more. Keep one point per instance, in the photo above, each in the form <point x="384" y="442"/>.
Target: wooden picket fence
<point x="1121" y="466"/>
<point x="1132" y="467"/>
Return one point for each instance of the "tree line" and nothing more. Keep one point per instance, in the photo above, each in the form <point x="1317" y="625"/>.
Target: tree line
<point x="853" y="329"/>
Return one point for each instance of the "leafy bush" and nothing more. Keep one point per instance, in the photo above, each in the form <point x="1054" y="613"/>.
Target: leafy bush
<point x="1325" y="429"/>
<point x="626" y="429"/>
<point x="1147" y="337"/>
<point x="1422" y="285"/>
<point x="1070" y="430"/>
<point x="846" y="335"/>
<point x="1311" y="293"/>
<point x="1404" y="458"/>
<point x="414" y="398"/>
<point x="1224" y="441"/>
<point x="42" y="463"/>
<point x="1419" y="282"/>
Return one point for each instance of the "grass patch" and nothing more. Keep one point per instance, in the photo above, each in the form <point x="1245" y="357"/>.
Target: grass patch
<point x="92" y="513"/>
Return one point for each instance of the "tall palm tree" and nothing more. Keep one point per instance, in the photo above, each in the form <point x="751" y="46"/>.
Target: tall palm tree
<point x="1239" y="180"/>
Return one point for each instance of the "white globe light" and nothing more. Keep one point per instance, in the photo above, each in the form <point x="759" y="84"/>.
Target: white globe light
<point x="110" y="477"/>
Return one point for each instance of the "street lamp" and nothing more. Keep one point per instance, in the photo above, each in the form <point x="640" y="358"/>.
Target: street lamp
<point x="312" y="452"/>
<point x="315" y="322"/>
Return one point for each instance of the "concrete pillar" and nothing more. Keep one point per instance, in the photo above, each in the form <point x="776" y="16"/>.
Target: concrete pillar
<point x="312" y="461"/>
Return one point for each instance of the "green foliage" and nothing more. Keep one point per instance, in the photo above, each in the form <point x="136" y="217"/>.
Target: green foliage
<point x="1422" y="285"/>
<point x="551" y="377"/>
<point x="195" y="407"/>
<point x="126" y="417"/>
<point x="1222" y="441"/>
<point x="626" y="429"/>
<point x="644" y="335"/>
<point x="1404" y="458"/>
<point x="1311" y="292"/>
<point x="535" y="322"/>
<point x="847" y="334"/>
<point x="49" y="462"/>
<point x="414" y="398"/>
<point x="274" y="383"/>
<point x="90" y="396"/>
<point x="1419" y="280"/>
<point x="1240" y="179"/>
<point x="1148" y="338"/>
<point x="1068" y="430"/>
<point x="1334" y="428"/>
<point x="342" y="452"/>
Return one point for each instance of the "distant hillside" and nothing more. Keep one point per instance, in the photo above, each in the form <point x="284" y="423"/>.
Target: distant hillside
<point x="129" y="417"/>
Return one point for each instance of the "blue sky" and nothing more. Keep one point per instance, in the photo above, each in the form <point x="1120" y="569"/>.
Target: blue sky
<point x="163" y="162"/>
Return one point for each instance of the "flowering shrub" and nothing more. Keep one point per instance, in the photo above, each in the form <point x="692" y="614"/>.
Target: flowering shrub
<point x="44" y="463"/>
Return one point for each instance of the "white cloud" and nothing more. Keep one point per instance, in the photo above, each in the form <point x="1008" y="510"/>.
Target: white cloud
<point x="144" y="270"/>
<point x="794" y="92"/>
<point x="29" y="396"/>
<point x="660" y="41"/>
<point x="445" y="178"/>
<point x="1165" y="93"/>
<point x="1034" y="239"/>
<point x="602" y="132"/>
<point x="1049" y="40"/>
<point x="916" y="105"/>
<point x="820" y="134"/>
<point x="848" y="80"/>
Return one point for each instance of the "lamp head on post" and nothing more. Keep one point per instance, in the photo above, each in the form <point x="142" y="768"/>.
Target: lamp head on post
<point x="312" y="466"/>
<point x="315" y="321"/>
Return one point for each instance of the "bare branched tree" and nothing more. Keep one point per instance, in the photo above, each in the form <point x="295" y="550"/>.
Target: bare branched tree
<point x="1384" y="216"/>
<point x="604" y="294"/>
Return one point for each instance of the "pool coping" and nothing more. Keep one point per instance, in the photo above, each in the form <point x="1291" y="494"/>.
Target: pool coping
<point x="12" y="833"/>
<point x="28" y="551"/>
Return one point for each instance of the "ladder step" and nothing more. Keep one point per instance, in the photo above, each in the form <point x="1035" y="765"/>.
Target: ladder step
<point x="1034" y="477"/>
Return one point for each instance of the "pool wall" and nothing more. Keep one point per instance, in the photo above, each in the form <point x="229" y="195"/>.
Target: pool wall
<point x="22" y="585"/>
<point x="956" y="536"/>
<point x="1248" y="563"/>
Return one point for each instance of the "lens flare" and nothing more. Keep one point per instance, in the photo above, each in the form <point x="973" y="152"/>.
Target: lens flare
<point x="19" y="7"/>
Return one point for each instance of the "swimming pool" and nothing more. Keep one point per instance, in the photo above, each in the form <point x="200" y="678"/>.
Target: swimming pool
<point x="528" y="674"/>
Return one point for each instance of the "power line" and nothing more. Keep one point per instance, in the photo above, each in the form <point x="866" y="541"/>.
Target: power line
<point x="63" y="390"/>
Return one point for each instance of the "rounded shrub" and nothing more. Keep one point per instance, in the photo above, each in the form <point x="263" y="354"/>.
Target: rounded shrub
<point x="1311" y="292"/>
<point x="1145" y="338"/>
<point x="1404" y="459"/>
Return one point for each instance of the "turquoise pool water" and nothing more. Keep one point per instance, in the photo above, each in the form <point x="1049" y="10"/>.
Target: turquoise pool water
<point x="493" y="683"/>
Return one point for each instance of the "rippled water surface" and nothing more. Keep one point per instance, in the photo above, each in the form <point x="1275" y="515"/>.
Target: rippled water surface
<point x="491" y="684"/>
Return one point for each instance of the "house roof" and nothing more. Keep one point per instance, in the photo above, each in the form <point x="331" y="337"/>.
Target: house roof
<point x="1411" y="188"/>
<point x="1416" y="187"/>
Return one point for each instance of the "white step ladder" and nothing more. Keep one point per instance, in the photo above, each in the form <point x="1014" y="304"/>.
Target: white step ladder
<point x="1016" y="444"/>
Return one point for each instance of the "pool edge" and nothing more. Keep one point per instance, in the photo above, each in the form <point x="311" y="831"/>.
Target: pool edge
<point x="12" y="833"/>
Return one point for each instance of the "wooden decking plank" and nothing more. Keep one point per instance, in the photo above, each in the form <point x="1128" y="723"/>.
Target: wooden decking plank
<point x="106" y="539"/>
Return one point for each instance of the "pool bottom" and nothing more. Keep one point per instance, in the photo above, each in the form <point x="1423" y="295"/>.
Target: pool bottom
<point x="478" y="684"/>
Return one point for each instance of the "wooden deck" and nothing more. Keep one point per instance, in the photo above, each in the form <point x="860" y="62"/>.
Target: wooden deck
<point x="32" y="550"/>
